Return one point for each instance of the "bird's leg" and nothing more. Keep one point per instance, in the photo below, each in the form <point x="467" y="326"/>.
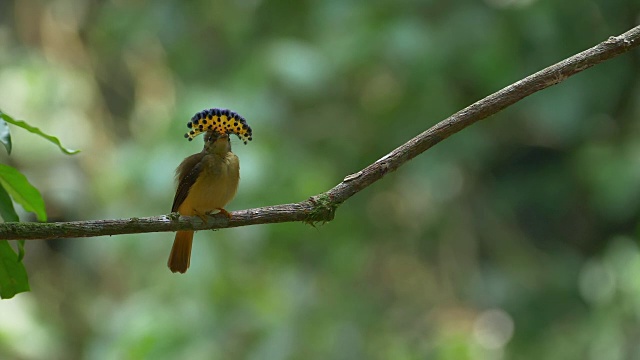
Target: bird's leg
<point x="202" y="216"/>
<point x="219" y="211"/>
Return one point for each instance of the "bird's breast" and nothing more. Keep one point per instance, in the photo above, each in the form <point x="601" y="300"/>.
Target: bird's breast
<point x="215" y="186"/>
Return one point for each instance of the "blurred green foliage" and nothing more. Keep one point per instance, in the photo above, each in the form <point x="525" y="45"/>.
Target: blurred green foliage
<point x="516" y="238"/>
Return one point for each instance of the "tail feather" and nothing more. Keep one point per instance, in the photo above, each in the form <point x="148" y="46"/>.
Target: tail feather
<point x="180" y="257"/>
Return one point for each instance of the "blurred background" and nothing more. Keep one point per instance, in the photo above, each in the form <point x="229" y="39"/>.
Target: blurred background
<point x="516" y="238"/>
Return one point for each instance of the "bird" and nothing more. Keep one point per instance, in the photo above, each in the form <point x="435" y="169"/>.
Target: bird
<point x="207" y="182"/>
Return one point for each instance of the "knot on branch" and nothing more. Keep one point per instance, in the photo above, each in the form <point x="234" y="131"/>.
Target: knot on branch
<point x="323" y="209"/>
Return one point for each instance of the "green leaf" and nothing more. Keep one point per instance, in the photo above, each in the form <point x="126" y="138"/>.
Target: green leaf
<point x="20" y="250"/>
<point x="7" y="211"/>
<point x="13" y="275"/>
<point x="5" y="135"/>
<point x="22" y="191"/>
<point x="37" y="131"/>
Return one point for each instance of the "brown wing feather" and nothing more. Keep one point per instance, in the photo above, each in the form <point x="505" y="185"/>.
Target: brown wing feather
<point x="187" y="172"/>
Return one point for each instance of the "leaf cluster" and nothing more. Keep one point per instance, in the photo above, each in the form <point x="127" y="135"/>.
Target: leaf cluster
<point x="14" y="187"/>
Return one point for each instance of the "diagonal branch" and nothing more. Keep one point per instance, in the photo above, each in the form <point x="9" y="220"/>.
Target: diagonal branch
<point x="321" y="208"/>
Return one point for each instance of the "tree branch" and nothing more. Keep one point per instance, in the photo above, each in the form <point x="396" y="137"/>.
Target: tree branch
<point x="321" y="208"/>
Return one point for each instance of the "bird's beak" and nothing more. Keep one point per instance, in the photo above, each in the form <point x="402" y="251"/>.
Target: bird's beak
<point x="213" y="136"/>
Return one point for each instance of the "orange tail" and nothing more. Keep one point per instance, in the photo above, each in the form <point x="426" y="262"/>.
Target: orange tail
<point x="181" y="252"/>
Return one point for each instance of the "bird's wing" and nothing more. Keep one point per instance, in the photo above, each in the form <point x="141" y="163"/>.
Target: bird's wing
<point x="185" y="184"/>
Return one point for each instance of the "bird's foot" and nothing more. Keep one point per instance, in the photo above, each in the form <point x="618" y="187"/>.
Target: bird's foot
<point x="202" y="216"/>
<point x="219" y="211"/>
